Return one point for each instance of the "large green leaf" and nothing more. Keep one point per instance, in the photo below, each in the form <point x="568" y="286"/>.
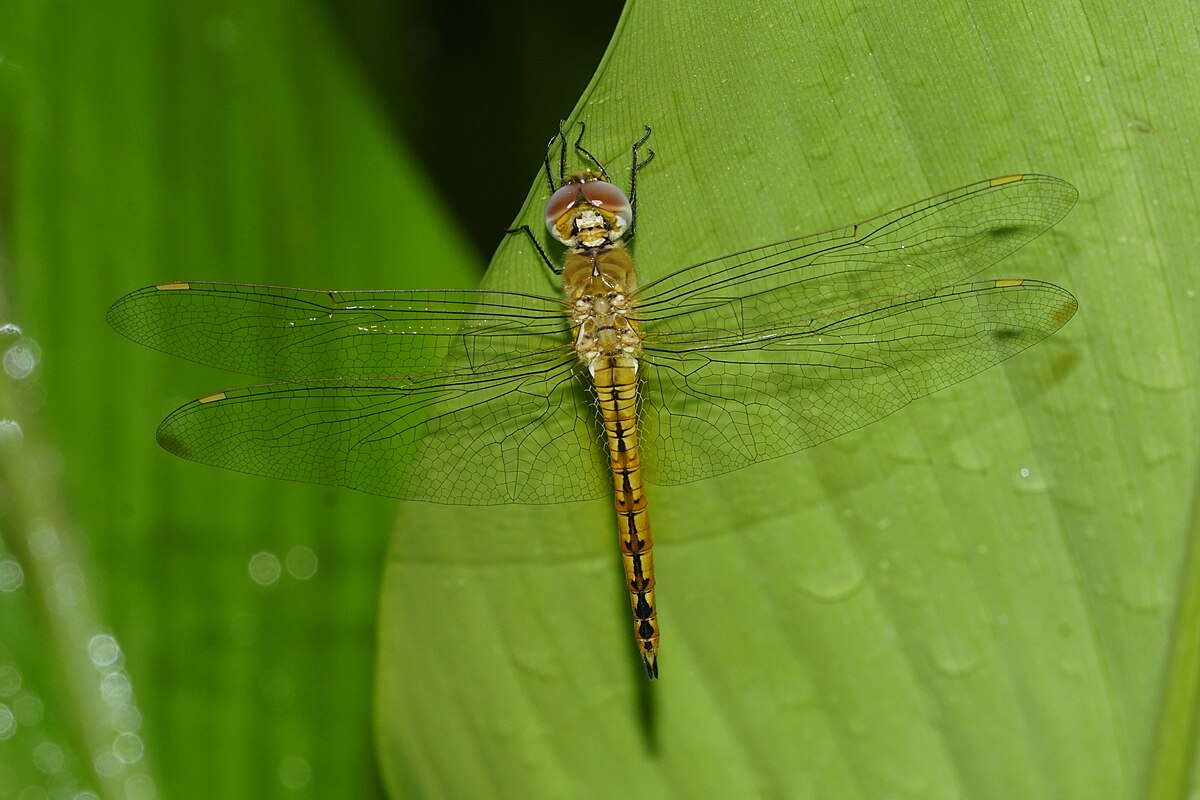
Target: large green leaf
<point x="973" y="598"/>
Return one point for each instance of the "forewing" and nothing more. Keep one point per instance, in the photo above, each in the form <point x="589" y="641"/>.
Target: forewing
<point x="715" y="405"/>
<point x="932" y="244"/>
<point x="510" y="436"/>
<point x="292" y="334"/>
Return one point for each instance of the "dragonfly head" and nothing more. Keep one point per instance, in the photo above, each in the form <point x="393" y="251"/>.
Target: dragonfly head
<point x="588" y="211"/>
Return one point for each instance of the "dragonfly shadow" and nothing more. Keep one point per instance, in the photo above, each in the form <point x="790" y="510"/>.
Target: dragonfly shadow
<point x="560" y="533"/>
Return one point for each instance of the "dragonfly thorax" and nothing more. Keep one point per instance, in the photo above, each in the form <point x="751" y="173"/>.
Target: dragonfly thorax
<point x="602" y="339"/>
<point x="598" y="286"/>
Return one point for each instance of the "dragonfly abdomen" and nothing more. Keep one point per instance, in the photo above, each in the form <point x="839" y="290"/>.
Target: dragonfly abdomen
<point x="615" y="382"/>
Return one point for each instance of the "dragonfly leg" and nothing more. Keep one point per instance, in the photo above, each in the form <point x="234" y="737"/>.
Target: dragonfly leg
<point x="545" y="258"/>
<point x="562" y="160"/>
<point x="546" y="161"/>
<point x="562" y="156"/>
<point x="580" y="149"/>
<point x="637" y="166"/>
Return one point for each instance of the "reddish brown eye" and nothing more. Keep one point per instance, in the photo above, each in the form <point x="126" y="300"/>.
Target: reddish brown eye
<point x="560" y="203"/>
<point x="598" y="193"/>
<point x="607" y="196"/>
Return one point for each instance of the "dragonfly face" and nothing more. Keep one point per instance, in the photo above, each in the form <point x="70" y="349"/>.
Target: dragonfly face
<point x="589" y="211"/>
<point x="491" y="397"/>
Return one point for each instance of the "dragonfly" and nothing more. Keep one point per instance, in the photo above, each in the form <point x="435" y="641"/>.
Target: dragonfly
<point x="479" y="397"/>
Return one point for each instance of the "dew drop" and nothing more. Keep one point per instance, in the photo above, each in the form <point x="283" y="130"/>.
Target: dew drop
<point x="21" y="360"/>
<point x="127" y="718"/>
<point x="953" y="657"/>
<point x="301" y="563"/>
<point x="48" y="757"/>
<point x="128" y="748"/>
<point x="264" y="568"/>
<point x="8" y="723"/>
<point x="969" y="456"/>
<point x="1158" y="449"/>
<point x="103" y="650"/>
<point x="12" y="577"/>
<point x="10" y="431"/>
<point x="116" y="688"/>
<point x="1031" y="480"/>
<point x="833" y="578"/>
<point x="106" y="763"/>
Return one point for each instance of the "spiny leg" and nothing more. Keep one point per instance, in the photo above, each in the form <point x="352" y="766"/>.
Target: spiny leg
<point x="637" y="166"/>
<point x="525" y="229"/>
<point x="562" y="166"/>
<point x="580" y="149"/>
<point x="562" y="157"/>
<point x="546" y="162"/>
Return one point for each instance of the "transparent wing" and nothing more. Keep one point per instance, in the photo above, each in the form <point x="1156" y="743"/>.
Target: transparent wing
<point x="303" y="334"/>
<point x="934" y="243"/>
<point x="512" y="436"/>
<point x="710" y="410"/>
<point x="767" y="352"/>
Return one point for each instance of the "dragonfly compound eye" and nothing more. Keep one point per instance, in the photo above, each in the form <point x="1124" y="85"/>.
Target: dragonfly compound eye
<point x="581" y="195"/>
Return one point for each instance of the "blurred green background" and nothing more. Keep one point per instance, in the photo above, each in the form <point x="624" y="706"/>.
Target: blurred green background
<point x="990" y="594"/>
<point x="272" y="142"/>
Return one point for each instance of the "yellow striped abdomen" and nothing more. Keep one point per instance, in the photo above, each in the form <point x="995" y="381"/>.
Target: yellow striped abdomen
<point x="615" y="381"/>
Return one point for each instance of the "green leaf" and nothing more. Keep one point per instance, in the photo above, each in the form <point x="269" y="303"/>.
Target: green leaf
<point x="972" y="598"/>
